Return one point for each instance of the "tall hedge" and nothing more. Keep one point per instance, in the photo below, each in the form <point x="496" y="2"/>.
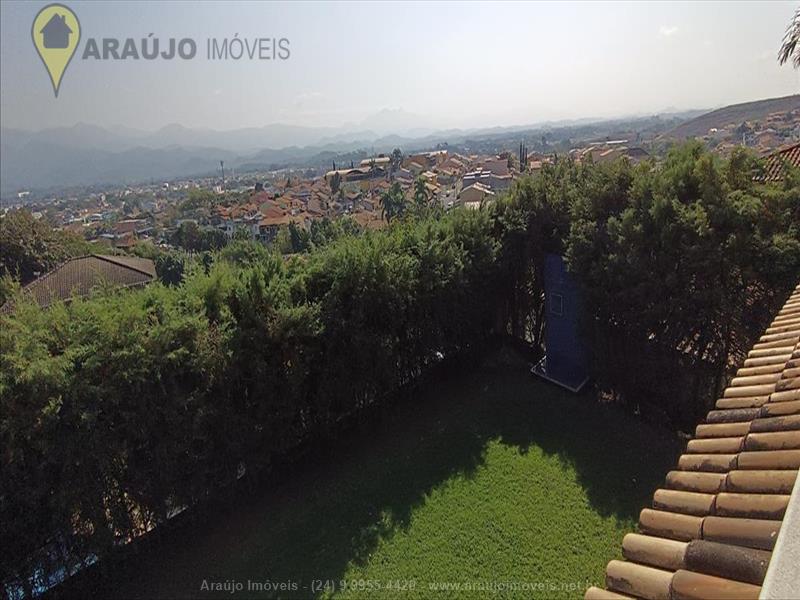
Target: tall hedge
<point x="681" y="263"/>
<point x="121" y="408"/>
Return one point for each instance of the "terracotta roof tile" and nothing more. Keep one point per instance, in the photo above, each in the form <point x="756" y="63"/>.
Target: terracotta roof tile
<point x="722" y="429"/>
<point x="767" y="482"/>
<point x="688" y="503"/>
<point x="596" y="593"/>
<point x="713" y="525"/>
<point x="641" y="581"/>
<point x="726" y="445"/>
<point x="791" y="407"/>
<point x="672" y="525"/>
<point x="773" y="440"/>
<point x="723" y="560"/>
<point x="751" y="533"/>
<point x="713" y="463"/>
<point x="696" y="481"/>
<point x="785" y="395"/>
<point x="688" y="585"/>
<point x="767" y="460"/>
<point x="746" y="402"/>
<point x="756" y="506"/>
<point x="733" y="415"/>
<point x="654" y="551"/>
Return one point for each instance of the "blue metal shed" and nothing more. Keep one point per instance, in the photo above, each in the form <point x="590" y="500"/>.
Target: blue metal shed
<point x="565" y="362"/>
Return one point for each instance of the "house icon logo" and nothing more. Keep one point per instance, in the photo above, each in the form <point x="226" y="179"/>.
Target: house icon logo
<point x="56" y="32"/>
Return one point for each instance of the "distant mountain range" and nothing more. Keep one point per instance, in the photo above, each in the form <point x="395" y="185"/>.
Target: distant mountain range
<point x="88" y="154"/>
<point x="733" y="114"/>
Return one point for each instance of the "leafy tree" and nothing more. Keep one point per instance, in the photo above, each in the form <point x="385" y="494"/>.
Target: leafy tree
<point x="242" y="234"/>
<point x="681" y="264"/>
<point x="170" y="267"/>
<point x="190" y="236"/>
<point x="283" y="241"/>
<point x="8" y="287"/>
<point x="421" y="194"/>
<point x="299" y="237"/>
<point x="397" y="158"/>
<point x="29" y="246"/>
<point x="393" y="202"/>
<point x="706" y="230"/>
<point x="245" y="252"/>
<point x="198" y="198"/>
<point x="146" y="249"/>
<point x="335" y="183"/>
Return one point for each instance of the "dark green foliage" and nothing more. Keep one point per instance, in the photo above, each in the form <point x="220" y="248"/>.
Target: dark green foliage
<point x="421" y="196"/>
<point x="30" y="246"/>
<point x="198" y="199"/>
<point x="119" y="408"/>
<point x="116" y="409"/>
<point x="681" y="263"/>
<point x="393" y="203"/>
<point x="336" y="181"/>
<point x="170" y="267"/>
<point x="190" y="236"/>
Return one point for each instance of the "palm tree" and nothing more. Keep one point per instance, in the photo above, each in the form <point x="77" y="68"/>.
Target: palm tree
<point x="790" y="49"/>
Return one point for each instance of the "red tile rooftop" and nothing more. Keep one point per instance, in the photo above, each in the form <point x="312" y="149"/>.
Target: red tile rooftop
<point x="713" y="528"/>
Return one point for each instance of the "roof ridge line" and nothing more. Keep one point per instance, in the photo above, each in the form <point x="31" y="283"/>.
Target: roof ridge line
<point x="109" y="258"/>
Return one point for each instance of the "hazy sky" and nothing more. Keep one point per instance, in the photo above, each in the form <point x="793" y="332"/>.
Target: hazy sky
<point x="456" y="64"/>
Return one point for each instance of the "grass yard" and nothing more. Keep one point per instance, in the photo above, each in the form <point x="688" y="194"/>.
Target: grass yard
<point x="488" y="484"/>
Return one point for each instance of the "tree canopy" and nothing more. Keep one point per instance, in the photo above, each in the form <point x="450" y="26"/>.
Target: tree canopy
<point x="119" y="408"/>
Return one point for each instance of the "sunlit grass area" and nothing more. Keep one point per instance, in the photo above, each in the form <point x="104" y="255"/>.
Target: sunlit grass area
<point x="491" y="483"/>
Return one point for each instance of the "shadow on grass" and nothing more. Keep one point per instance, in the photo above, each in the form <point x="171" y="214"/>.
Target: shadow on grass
<point x="336" y="510"/>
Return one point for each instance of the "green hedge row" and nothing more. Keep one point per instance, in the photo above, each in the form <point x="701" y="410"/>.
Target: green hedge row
<point x="118" y="409"/>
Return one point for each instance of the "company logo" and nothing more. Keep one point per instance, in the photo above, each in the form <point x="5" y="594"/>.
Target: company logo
<point x="56" y="32"/>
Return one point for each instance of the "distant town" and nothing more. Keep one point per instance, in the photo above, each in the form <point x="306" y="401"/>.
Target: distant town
<point x="450" y="301"/>
<point x="259" y="204"/>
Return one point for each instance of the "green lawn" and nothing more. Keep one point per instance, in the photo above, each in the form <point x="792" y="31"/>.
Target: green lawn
<point x="487" y="479"/>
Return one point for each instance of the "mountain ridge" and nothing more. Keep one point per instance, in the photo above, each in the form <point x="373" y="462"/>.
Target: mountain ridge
<point x="733" y="113"/>
<point x="87" y="154"/>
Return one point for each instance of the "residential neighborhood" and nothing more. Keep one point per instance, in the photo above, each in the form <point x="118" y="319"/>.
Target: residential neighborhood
<point x="438" y="300"/>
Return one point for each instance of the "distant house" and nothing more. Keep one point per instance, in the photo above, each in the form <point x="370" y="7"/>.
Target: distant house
<point x="129" y="226"/>
<point x="609" y="152"/>
<point x="55" y="34"/>
<point x="377" y="161"/>
<point x="496" y="165"/>
<point x="79" y="276"/>
<point x="777" y="162"/>
<point x="357" y="174"/>
<point x="475" y="194"/>
<point x="485" y="177"/>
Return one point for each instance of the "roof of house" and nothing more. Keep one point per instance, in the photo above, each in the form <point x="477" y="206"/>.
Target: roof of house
<point x="78" y="276"/>
<point x="713" y="527"/>
<point x="480" y="187"/>
<point x="129" y="225"/>
<point x="378" y="160"/>
<point x="775" y="162"/>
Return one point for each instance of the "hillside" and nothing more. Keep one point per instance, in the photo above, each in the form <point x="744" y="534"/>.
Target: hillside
<point x="733" y="114"/>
